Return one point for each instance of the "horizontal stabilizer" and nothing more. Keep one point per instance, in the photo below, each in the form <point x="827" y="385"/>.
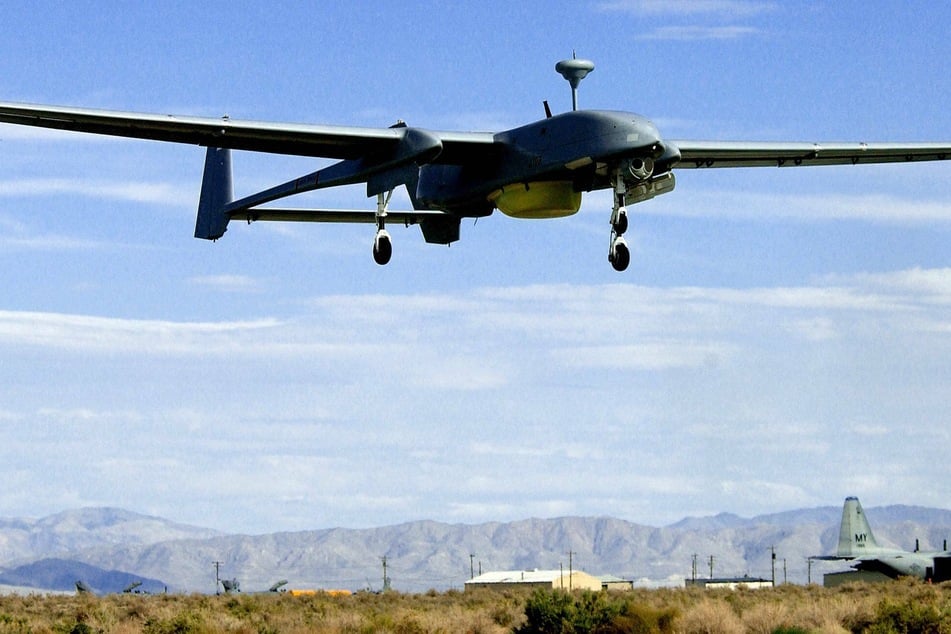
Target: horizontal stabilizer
<point x="438" y="227"/>
<point x="286" y="214"/>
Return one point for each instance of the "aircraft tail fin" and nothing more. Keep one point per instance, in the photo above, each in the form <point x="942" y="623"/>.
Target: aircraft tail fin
<point x="855" y="534"/>
<point x="216" y="193"/>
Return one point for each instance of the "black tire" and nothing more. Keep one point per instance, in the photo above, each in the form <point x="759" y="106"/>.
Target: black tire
<point x="622" y="257"/>
<point x="382" y="250"/>
<point x="621" y="225"/>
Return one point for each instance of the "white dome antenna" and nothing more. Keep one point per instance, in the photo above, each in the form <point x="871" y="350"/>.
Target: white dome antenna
<point x="574" y="70"/>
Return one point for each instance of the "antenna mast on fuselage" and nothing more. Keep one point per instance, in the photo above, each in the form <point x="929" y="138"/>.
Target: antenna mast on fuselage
<point x="574" y="70"/>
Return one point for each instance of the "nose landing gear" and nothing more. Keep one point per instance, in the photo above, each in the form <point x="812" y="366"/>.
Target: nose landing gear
<point x="619" y="255"/>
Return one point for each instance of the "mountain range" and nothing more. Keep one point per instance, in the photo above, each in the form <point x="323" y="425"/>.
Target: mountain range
<point x="109" y="549"/>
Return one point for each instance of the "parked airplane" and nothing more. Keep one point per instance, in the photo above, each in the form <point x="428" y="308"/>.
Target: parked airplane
<point x="858" y="544"/>
<point x="538" y="170"/>
<point x="83" y="588"/>
<point x="233" y="585"/>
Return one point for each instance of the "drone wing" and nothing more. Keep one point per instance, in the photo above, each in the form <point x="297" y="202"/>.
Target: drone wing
<point x="699" y="154"/>
<point x="328" y="141"/>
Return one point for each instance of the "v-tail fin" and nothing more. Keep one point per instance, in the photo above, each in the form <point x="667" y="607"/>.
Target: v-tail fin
<point x="855" y="534"/>
<point x="217" y="192"/>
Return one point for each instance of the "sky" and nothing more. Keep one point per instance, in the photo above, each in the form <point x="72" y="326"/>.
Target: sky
<point x="781" y="339"/>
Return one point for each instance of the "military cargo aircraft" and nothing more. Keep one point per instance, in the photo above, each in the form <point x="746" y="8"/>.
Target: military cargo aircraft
<point x="858" y="544"/>
<point x="538" y="170"/>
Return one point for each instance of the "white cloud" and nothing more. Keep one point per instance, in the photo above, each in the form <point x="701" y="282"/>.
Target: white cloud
<point x="805" y="297"/>
<point x="511" y="451"/>
<point x="716" y="10"/>
<point x="16" y="234"/>
<point x="763" y="493"/>
<point x="110" y="335"/>
<point x="137" y="192"/>
<point x="467" y="372"/>
<point x="53" y="242"/>
<point x="877" y="208"/>
<point x="448" y="405"/>
<point x="697" y="32"/>
<point x="729" y="8"/>
<point x="928" y="284"/>
<point x="649" y="355"/>
<point x="816" y="328"/>
<point x="228" y="283"/>
<point x="658" y="328"/>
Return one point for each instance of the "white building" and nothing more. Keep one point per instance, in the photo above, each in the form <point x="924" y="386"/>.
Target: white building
<point x="730" y="583"/>
<point x="549" y="579"/>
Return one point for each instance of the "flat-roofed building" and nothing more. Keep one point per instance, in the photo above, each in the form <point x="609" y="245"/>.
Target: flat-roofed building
<point x="610" y="582"/>
<point x="731" y="583"/>
<point x="549" y="579"/>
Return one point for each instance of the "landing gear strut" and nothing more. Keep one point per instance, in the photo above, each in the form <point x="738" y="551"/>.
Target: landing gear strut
<point x="382" y="245"/>
<point x="619" y="255"/>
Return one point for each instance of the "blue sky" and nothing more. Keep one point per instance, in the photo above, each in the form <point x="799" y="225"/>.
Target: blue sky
<point x="781" y="338"/>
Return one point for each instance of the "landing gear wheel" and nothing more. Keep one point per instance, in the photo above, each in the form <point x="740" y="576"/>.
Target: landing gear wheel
<point x="620" y="255"/>
<point x="382" y="248"/>
<point x="620" y="222"/>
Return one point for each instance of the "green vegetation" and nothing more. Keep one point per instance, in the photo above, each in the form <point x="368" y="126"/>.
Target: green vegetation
<point x="899" y="607"/>
<point x="551" y="612"/>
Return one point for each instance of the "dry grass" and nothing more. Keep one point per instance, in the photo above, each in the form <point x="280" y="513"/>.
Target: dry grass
<point x="904" y="606"/>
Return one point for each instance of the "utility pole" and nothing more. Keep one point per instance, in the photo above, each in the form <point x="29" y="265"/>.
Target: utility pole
<point x="570" y="569"/>
<point x="386" y="580"/>
<point x="693" y="569"/>
<point x="784" y="571"/>
<point x="711" y="566"/>
<point x="772" y="551"/>
<point x="471" y="566"/>
<point x="217" y="578"/>
<point x="809" y="570"/>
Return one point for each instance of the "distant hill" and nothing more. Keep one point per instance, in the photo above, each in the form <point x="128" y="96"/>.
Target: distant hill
<point x="62" y="574"/>
<point x="24" y="540"/>
<point x="721" y="520"/>
<point x="426" y="554"/>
